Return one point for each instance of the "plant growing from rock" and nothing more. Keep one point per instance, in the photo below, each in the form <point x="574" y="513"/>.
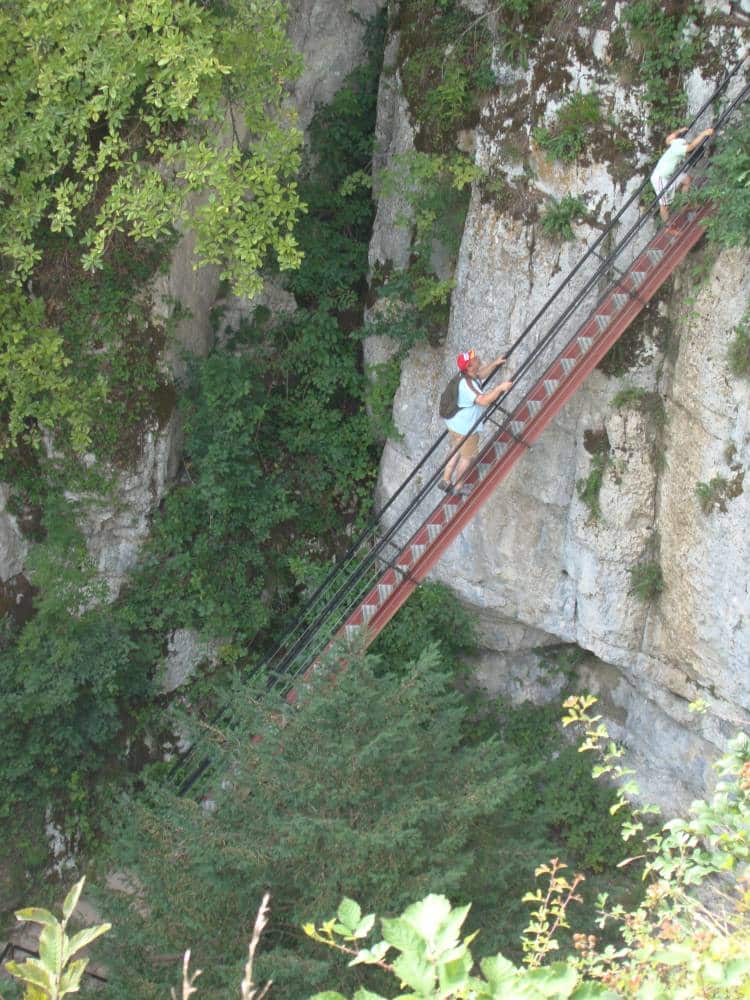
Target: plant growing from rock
<point x="665" y="40"/>
<point x="718" y="491"/>
<point x="559" y="215"/>
<point x="566" y="138"/>
<point x="650" y="403"/>
<point x="728" y="187"/>
<point x="738" y="352"/>
<point x="415" y="301"/>
<point x="588" y="489"/>
<point x="446" y="64"/>
<point x="515" y="45"/>
<point x="646" y="581"/>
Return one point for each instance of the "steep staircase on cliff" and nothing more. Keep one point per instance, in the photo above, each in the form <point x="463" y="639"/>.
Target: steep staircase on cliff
<point x="412" y="531"/>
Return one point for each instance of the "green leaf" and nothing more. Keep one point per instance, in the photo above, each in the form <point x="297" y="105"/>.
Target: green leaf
<point x="84" y="938"/>
<point x="737" y="971"/>
<point x="447" y="935"/>
<point x="71" y="900"/>
<point x="51" y="947"/>
<point x="36" y="915"/>
<point x="652" y="990"/>
<point x="71" y="978"/>
<point x="401" y="935"/>
<point x="32" y="971"/>
<point x="558" y="980"/>
<point x="498" y="971"/>
<point x="363" y="994"/>
<point x="328" y="995"/>
<point x="587" y="991"/>
<point x="455" y="974"/>
<point x="350" y="914"/>
<point x="428" y="915"/>
<point x="369" y="956"/>
<point x="415" y="972"/>
<point x="678" y="954"/>
<point x="365" y="926"/>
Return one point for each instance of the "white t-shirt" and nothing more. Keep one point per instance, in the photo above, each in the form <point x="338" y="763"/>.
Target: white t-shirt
<point x="469" y="411"/>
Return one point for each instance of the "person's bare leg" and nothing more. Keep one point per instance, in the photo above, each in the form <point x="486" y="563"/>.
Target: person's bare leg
<point x="463" y="467"/>
<point x="664" y="212"/>
<point x="450" y="466"/>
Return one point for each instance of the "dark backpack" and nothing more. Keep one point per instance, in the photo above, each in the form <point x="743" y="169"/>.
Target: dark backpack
<point x="448" y="406"/>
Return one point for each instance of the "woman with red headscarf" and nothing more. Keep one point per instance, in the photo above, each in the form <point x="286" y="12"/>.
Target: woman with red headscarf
<point x="471" y="402"/>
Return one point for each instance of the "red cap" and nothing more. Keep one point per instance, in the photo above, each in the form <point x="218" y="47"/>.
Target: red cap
<point x="464" y="359"/>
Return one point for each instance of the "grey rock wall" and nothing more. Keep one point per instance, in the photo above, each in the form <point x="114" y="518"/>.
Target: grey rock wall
<point x="534" y="566"/>
<point x="116" y="529"/>
<point x="330" y="38"/>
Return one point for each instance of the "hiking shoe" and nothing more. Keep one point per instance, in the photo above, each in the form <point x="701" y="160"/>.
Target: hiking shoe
<point x="462" y="491"/>
<point x="445" y="487"/>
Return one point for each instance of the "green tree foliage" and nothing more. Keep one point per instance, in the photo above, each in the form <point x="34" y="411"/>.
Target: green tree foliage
<point x="673" y="946"/>
<point x="101" y="94"/>
<point x="119" y="122"/>
<point x="280" y="457"/>
<point x="65" y="685"/>
<point x="350" y="790"/>
<point x="334" y="232"/>
<point x="35" y="384"/>
<point x="279" y="464"/>
<point x="432" y="615"/>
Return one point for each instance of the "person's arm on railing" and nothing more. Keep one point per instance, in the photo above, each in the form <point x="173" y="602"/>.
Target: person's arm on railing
<point x="485" y="398"/>
<point x="489" y="369"/>
<point x="701" y="137"/>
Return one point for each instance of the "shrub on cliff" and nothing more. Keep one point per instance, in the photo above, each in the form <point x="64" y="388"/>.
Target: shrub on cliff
<point x="728" y="187"/>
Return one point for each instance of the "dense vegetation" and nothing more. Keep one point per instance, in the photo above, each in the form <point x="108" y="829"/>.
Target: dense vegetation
<point x="673" y="945"/>
<point x="350" y="791"/>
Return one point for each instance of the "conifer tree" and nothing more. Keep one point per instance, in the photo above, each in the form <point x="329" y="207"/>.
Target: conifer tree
<point x="368" y="786"/>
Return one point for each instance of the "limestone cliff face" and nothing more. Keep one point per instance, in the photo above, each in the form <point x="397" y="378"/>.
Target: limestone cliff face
<point x="537" y="569"/>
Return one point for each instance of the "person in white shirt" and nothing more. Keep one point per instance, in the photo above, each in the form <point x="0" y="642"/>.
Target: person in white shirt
<point x="471" y="402"/>
<point x="666" y="169"/>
